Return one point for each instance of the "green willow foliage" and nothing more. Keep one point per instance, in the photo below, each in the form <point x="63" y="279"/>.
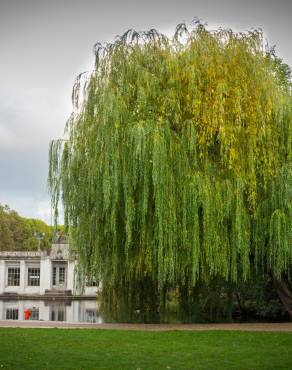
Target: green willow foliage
<point x="177" y="164"/>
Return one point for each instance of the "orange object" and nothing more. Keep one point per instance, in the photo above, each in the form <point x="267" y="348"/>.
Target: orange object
<point x="27" y="314"/>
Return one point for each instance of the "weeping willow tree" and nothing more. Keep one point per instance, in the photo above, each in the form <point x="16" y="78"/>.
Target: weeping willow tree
<point x="176" y="165"/>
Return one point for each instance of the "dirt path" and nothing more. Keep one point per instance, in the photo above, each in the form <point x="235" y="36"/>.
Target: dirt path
<point x="281" y="327"/>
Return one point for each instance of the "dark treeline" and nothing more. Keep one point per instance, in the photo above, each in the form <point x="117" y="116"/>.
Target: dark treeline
<point x="254" y="300"/>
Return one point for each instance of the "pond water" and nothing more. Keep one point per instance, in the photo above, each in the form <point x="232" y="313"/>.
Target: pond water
<point x="52" y="310"/>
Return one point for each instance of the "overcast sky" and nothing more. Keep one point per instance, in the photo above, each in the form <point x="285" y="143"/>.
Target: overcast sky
<point x="45" y="44"/>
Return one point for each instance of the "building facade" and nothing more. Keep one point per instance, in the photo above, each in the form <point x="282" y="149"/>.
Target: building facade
<point x="42" y="274"/>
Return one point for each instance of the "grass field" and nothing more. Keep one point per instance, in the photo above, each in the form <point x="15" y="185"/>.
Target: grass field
<point x="114" y="349"/>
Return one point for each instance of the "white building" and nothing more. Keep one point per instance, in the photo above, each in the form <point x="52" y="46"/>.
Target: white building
<point x="46" y="284"/>
<point x="41" y="274"/>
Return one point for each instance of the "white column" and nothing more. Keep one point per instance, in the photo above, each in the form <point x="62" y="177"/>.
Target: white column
<point x="21" y="307"/>
<point x="2" y="276"/>
<point x="45" y="312"/>
<point x="2" y="313"/>
<point x="75" y="308"/>
<point x="70" y="276"/>
<point x="22" y="277"/>
<point x="46" y="272"/>
<point x="69" y="313"/>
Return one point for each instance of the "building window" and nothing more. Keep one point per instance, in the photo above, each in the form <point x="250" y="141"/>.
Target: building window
<point x="91" y="282"/>
<point x="61" y="275"/>
<point x="33" y="276"/>
<point x="54" y="275"/>
<point x="13" y="276"/>
<point x="12" y="314"/>
<point x="90" y="316"/>
<point x="61" y="315"/>
<point x="58" y="314"/>
<point x="34" y="313"/>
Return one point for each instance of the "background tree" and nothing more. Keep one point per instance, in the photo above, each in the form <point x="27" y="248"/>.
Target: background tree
<point x="177" y="165"/>
<point x="18" y="233"/>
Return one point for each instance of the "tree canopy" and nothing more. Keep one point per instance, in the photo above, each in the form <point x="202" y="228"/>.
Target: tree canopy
<point x="19" y="234"/>
<point x="176" y="166"/>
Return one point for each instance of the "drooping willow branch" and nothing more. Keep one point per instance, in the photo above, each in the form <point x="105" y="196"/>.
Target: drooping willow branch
<point x="177" y="165"/>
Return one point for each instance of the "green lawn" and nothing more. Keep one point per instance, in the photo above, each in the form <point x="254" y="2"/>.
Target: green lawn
<point x="113" y="349"/>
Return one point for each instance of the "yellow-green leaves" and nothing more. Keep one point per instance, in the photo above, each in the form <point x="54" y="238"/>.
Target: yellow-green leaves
<point x="178" y="164"/>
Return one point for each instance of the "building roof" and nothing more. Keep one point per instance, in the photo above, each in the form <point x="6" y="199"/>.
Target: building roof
<point x="57" y="252"/>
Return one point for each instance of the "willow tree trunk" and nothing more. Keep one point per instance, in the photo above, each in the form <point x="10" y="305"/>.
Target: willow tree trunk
<point x="285" y="294"/>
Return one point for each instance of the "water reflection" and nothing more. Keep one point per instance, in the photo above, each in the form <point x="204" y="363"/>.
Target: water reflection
<point x="50" y="310"/>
